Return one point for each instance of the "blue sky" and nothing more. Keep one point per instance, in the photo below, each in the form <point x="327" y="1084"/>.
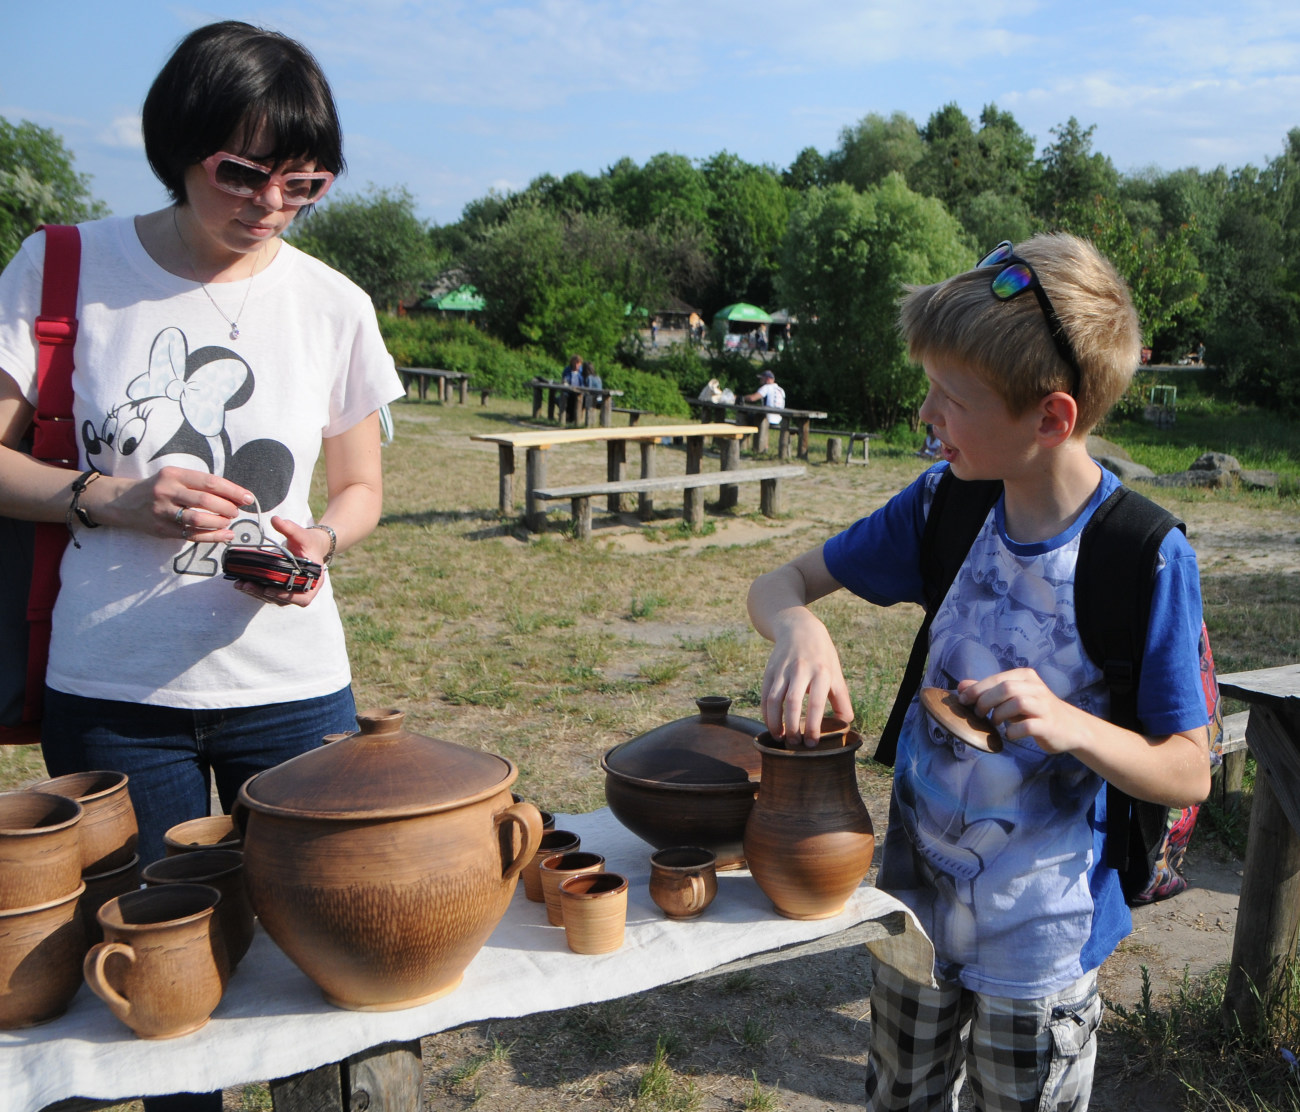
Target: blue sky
<point x="451" y="98"/>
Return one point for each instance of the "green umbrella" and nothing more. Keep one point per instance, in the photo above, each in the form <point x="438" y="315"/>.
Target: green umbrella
<point x="463" y="299"/>
<point x="744" y="313"/>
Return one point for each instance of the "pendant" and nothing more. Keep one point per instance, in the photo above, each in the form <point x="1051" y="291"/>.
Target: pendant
<point x="234" y="331"/>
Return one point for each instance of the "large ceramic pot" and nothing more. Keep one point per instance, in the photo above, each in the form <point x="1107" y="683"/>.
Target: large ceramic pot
<point x="108" y="831"/>
<point x="688" y="783"/>
<point x="381" y="863"/>
<point x="809" y="839"/>
<point x="41" y="948"/>
<point x="40" y="848"/>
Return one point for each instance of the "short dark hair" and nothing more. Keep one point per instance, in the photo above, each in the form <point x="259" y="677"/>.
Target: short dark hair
<point x="230" y="75"/>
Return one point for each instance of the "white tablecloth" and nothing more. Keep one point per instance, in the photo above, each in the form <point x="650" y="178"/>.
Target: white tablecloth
<point x="273" y="1022"/>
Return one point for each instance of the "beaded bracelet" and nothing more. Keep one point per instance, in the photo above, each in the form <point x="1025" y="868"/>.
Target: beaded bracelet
<point x="334" y="542"/>
<point x="76" y="511"/>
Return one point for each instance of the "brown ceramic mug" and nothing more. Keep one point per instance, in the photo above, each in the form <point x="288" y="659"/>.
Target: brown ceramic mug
<point x="162" y="966"/>
<point x="553" y="841"/>
<point x="202" y="833"/>
<point x="595" y="911"/>
<point x="41" y="949"/>
<point x="559" y="866"/>
<point x="108" y="830"/>
<point x="222" y="869"/>
<point x="683" y="880"/>
<point x="102" y="887"/>
<point x="40" y="848"/>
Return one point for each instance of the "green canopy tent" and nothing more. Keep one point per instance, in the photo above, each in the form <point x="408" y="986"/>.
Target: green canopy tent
<point x="742" y="313"/>
<point x="463" y="299"/>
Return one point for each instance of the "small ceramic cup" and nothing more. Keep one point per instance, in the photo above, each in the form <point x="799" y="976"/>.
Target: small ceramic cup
<point x="108" y="828"/>
<point x="162" y="966"/>
<point x="595" y="911"/>
<point x="558" y="866"/>
<point x="553" y="841"/>
<point x="202" y="833"/>
<point x="102" y="887"/>
<point x="683" y="880"/>
<point x="223" y="869"/>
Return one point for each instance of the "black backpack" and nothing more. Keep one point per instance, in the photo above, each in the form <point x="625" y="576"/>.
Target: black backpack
<point x="1112" y="598"/>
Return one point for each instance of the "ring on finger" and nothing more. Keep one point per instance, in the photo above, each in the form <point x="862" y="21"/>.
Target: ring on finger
<point x="179" y="516"/>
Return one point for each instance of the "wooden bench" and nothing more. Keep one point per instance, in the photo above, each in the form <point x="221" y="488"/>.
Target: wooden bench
<point x="633" y="415"/>
<point x="794" y="423"/>
<point x="1225" y="791"/>
<point x="421" y="376"/>
<point x="588" y="402"/>
<point x="833" y="453"/>
<point x="693" y="506"/>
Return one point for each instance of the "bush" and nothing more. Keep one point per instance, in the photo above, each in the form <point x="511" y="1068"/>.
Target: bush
<point x="647" y="390"/>
<point x="458" y="346"/>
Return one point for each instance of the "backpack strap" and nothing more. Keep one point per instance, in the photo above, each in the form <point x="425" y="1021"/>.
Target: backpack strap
<point x="958" y="511"/>
<point x="54" y="440"/>
<point x="1118" y="552"/>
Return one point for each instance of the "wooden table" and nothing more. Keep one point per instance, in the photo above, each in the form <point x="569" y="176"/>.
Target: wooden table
<point x="421" y="376"/>
<point x="536" y="442"/>
<point x="1268" y="915"/>
<point x="589" y="400"/>
<point x="791" y="419"/>
<point x="273" y="1022"/>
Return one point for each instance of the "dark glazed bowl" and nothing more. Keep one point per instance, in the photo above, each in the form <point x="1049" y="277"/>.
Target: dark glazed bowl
<point x="689" y="782"/>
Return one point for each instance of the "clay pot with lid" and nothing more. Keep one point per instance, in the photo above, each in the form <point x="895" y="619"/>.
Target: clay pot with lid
<point x="809" y="839"/>
<point x="690" y="782"/>
<point x="381" y="863"/>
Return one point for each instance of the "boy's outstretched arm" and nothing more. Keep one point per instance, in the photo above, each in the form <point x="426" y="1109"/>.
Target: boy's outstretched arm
<point x="804" y="662"/>
<point x="1172" y="770"/>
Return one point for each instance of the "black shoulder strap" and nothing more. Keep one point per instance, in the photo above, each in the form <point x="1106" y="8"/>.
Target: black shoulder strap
<point x="1113" y="582"/>
<point x="958" y="510"/>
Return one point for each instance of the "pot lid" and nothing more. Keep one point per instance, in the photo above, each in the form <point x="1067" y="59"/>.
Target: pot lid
<point x="713" y="747"/>
<point x="383" y="771"/>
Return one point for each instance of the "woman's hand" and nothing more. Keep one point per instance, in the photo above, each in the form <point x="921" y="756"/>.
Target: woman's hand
<point x="176" y="503"/>
<point x="309" y="544"/>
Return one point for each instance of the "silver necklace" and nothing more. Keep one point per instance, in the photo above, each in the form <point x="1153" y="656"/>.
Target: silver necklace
<point x="234" y="324"/>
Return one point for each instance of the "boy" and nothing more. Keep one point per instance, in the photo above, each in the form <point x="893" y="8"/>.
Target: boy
<point x="1000" y="855"/>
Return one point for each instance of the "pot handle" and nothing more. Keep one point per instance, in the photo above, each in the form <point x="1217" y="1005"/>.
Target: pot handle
<point x="93" y="968"/>
<point x="697" y="892"/>
<point x="529" y="820"/>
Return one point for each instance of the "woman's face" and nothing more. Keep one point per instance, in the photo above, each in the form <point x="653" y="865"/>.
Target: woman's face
<point x="226" y="224"/>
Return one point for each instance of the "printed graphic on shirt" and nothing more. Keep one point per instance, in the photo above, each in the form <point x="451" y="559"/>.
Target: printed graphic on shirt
<point x="177" y="408"/>
<point x="998" y="846"/>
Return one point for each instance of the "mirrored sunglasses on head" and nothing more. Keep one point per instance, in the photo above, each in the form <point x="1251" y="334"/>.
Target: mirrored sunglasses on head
<point x="232" y="174"/>
<point x="1015" y="275"/>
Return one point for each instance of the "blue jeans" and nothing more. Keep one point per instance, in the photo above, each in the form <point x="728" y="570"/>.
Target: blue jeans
<point x="168" y="752"/>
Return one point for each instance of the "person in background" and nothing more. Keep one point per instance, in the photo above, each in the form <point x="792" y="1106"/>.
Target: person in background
<point x="768" y="394"/>
<point x="215" y="364"/>
<point x="930" y="449"/>
<point x="572" y="376"/>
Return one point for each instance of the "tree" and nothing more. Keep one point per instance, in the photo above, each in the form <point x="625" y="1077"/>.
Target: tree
<point x="748" y="212"/>
<point x="1071" y="171"/>
<point x="809" y="168"/>
<point x="376" y="240"/>
<point x="38" y="185"/>
<point x="874" y="148"/>
<point x="844" y="263"/>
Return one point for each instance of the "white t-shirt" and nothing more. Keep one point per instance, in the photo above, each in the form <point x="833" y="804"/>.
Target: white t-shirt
<point x="773" y="396"/>
<point x="159" y="382"/>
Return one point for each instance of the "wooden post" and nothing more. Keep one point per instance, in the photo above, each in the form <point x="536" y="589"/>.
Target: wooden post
<point x="537" y="401"/>
<point x="693" y="508"/>
<point x="464" y="389"/>
<point x="645" y="503"/>
<point x="834" y="449"/>
<point x="607" y="411"/>
<point x="551" y="393"/>
<point x="769" y="498"/>
<point x="1268" y="909"/>
<point x="534" y="476"/>
<point x="442" y="389"/>
<point x="694" y="454"/>
<point x="783" y="440"/>
<point x="729" y="495"/>
<point x="318" y="1090"/>
<point x="615" y="471"/>
<point x="387" y="1078"/>
<point x="805" y="425"/>
<point x="761" y="435"/>
<point x="506" y="466"/>
<point x="581" y="508"/>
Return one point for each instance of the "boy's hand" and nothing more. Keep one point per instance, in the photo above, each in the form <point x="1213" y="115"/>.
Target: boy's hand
<point x="804" y="663"/>
<point x="1021" y="703"/>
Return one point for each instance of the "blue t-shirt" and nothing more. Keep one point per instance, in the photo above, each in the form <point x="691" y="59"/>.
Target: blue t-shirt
<point x="1000" y="855"/>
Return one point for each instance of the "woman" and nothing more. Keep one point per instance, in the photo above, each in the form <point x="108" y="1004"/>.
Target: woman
<point x="214" y="365"/>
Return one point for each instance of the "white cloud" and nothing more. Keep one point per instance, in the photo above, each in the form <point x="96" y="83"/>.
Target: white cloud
<point x="123" y="132"/>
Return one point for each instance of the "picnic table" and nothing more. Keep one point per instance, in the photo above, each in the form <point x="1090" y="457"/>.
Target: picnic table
<point x="536" y="442"/>
<point x="1268" y="915"/>
<point x="422" y="376"/>
<point x="274" y="1024"/>
<point x="589" y="400"/>
<point x="791" y="419"/>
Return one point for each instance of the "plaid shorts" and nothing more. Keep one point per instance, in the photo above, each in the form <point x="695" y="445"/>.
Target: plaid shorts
<point x="1022" y="1055"/>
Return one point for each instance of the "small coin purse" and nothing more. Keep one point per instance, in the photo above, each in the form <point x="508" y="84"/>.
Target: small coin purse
<point x="270" y="564"/>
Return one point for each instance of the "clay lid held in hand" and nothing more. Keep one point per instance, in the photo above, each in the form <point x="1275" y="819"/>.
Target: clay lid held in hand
<point x="713" y="747"/>
<point x="963" y="722"/>
<point x="382" y="772"/>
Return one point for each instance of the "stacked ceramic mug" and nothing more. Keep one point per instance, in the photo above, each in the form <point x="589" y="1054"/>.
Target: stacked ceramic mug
<point x="42" y="933"/>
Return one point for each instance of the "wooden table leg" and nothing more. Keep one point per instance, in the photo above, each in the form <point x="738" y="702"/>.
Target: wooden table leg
<point x="537" y="401"/>
<point x="464" y="390"/>
<point x="729" y="495"/>
<point x="783" y="440"/>
<point x="693" y="497"/>
<point x="423" y="387"/>
<point x="506" y="485"/>
<point x="761" y="435"/>
<point x="318" y="1090"/>
<point x="534" y="477"/>
<point x="551" y="395"/>
<point x="607" y="411"/>
<point x="442" y="389"/>
<point x="615" y="470"/>
<point x="769" y="498"/>
<point x="805" y="427"/>
<point x="694" y="454"/>
<point x="387" y="1078"/>
<point x="645" y="505"/>
<point x="1268" y="912"/>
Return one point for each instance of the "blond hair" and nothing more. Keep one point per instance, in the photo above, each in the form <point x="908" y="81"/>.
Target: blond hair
<point x="1009" y="343"/>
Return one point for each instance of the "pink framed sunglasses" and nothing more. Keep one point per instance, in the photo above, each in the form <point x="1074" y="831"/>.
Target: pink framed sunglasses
<point x="241" y="178"/>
